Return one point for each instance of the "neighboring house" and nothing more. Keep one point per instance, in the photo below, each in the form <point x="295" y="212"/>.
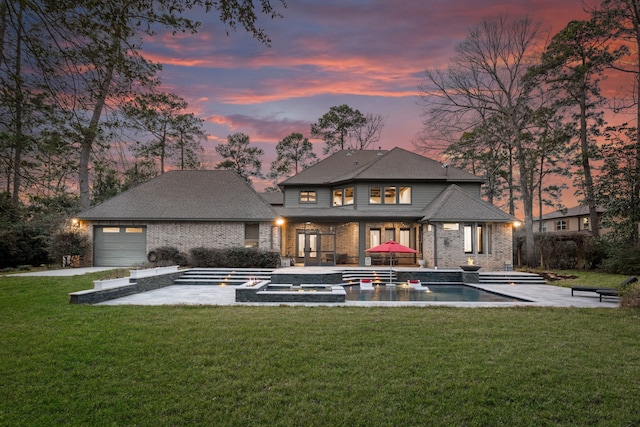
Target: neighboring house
<point x="354" y="200"/>
<point x="333" y="212"/>
<point x="575" y="219"/>
<point x="184" y="209"/>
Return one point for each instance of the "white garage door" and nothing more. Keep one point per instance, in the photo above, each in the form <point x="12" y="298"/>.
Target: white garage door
<point x="119" y="246"/>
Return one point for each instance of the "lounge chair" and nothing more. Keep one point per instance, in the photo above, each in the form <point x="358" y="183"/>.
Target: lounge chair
<point x="366" y="284"/>
<point x="417" y="285"/>
<point x="605" y="291"/>
<point x="608" y="293"/>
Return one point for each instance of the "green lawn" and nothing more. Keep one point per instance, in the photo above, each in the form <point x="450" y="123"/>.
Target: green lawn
<point x="63" y="364"/>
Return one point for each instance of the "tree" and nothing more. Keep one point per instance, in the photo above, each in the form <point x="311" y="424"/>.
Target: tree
<point x="622" y="17"/>
<point x="337" y="127"/>
<point x="616" y="182"/>
<point x="100" y="54"/>
<point x="239" y="157"/>
<point x="187" y="147"/>
<point x="294" y="153"/>
<point x="484" y="152"/>
<point x="174" y="134"/>
<point x="485" y="80"/>
<point x="369" y="132"/>
<point x="573" y="65"/>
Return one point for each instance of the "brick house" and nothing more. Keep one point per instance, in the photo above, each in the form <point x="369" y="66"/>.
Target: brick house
<point x="184" y="209"/>
<point x="332" y="212"/>
<point x="354" y="200"/>
<point x="575" y="219"/>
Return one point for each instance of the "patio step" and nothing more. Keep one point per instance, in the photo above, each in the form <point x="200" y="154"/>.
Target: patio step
<point x="218" y="276"/>
<point x="511" y="278"/>
<point x="376" y="275"/>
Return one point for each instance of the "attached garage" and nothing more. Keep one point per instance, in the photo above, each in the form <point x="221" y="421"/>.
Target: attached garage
<point x="119" y="246"/>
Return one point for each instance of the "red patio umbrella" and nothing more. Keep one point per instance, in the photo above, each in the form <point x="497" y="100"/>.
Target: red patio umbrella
<point x="392" y="247"/>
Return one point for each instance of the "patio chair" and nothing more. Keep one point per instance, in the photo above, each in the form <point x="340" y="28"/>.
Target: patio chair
<point x="605" y="291"/>
<point x="366" y="284"/>
<point x="417" y="284"/>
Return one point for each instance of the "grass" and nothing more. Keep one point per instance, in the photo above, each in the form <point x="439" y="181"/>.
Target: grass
<point x="64" y="364"/>
<point x="596" y="279"/>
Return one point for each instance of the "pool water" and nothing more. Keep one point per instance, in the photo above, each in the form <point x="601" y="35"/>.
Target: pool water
<point x="435" y="293"/>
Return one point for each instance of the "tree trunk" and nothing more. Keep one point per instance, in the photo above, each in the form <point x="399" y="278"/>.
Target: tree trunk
<point x="635" y="195"/>
<point x="18" y="99"/>
<point x="586" y="166"/>
<point x="86" y="145"/>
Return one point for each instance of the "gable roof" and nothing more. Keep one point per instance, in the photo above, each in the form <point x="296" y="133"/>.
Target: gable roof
<point x="377" y="165"/>
<point x="455" y="205"/>
<point x="202" y="195"/>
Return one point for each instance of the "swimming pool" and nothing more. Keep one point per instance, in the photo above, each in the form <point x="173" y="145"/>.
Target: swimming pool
<point x="435" y="293"/>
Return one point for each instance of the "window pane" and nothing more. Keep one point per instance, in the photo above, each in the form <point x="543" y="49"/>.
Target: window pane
<point x="374" y="195"/>
<point x="389" y="234"/>
<point x="468" y="239"/>
<point x="480" y="239"/>
<point x="307" y="196"/>
<point x="301" y="241"/>
<point x="111" y="230"/>
<point x="390" y="195"/>
<point x="337" y="197"/>
<point x="133" y="230"/>
<point x="405" y="195"/>
<point x="374" y="237"/>
<point x="251" y="235"/>
<point x="451" y="226"/>
<point x="405" y="237"/>
<point x="348" y="196"/>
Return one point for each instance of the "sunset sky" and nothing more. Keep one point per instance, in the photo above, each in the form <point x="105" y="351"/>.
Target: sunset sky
<point x="369" y="54"/>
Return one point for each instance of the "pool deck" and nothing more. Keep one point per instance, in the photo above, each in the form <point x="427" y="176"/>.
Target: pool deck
<point x="539" y="295"/>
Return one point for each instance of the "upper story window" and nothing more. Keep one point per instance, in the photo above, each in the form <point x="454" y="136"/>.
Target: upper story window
<point x="343" y="196"/>
<point x="390" y="195"/>
<point x="561" y="225"/>
<point x="307" y="196"/>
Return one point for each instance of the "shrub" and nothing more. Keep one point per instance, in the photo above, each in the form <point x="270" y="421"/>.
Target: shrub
<point x="167" y="255"/>
<point x="622" y="259"/>
<point x="631" y="296"/>
<point x="22" y="244"/>
<point x="68" y="242"/>
<point x="237" y="257"/>
<point x="206" y="257"/>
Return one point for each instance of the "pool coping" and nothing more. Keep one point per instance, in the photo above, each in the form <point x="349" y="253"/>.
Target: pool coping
<point x="536" y="296"/>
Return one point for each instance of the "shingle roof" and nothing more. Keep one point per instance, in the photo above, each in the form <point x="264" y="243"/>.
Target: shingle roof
<point x="273" y="198"/>
<point x="574" y="211"/>
<point x="217" y="195"/>
<point x="347" y="214"/>
<point x="454" y="204"/>
<point x="397" y="164"/>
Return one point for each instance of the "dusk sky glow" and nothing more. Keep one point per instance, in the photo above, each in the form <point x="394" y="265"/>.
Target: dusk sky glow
<point x="370" y="55"/>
